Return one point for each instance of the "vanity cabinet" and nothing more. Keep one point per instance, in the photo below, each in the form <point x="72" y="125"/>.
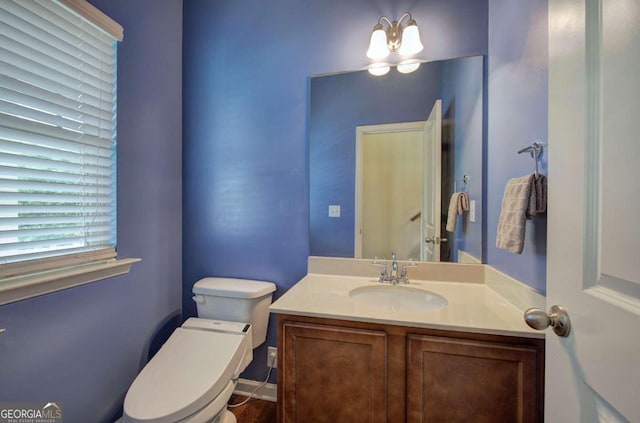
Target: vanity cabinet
<point x="342" y="371"/>
<point x="457" y="380"/>
<point x="334" y="374"/>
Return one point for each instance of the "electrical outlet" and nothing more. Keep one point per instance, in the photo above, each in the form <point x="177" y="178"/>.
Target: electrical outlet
<point x="272" y="352"/>
<point x="334" y="211"/>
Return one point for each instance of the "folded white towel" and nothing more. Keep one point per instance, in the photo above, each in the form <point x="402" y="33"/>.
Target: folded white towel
<point x="458" y="204"/>
<point x="524" y="197"/>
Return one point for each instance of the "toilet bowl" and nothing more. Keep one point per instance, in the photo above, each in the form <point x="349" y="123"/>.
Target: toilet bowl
<point x="194" y="373"/>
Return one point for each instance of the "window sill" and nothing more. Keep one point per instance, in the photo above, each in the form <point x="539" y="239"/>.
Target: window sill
<point x="23" y="287"/>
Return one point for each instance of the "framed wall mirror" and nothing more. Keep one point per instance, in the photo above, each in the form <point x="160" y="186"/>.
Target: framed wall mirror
<point x="386" y="154"/>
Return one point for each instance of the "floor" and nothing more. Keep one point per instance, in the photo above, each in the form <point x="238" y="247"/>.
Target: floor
<point x="255" y="411"/>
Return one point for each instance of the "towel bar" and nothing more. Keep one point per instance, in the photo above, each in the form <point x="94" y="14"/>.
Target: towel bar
<point x="536" y="151"/>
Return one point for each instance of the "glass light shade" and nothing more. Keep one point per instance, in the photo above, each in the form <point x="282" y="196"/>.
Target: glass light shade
<point x="408" y="67"/>
<point x="411" y="43"/>
<point x="378" y="45"/>
<point x="379" y="69"/>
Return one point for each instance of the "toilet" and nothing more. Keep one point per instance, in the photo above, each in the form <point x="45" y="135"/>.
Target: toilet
<point x="194" y="373"/>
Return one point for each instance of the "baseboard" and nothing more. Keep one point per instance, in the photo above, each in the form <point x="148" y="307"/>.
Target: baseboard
<point x="268" y="392"/>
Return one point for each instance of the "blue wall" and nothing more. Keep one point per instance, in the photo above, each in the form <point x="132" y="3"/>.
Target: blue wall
<point x="517" y="113"/>
<point x="84" y="346"/>
<point x="246" y="68"/>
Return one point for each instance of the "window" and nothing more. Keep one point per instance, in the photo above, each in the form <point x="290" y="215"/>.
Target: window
<point x="57" y="139"/>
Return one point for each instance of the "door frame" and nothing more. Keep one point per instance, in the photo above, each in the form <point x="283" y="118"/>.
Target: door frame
<point x="361" y="131"/>
<point x="432" y="184"/>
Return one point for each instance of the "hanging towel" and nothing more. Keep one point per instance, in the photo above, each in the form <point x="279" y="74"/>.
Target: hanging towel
<point x="538" y="198"/>
<point x="458" y="204"/>
<point x="524" y="197"/>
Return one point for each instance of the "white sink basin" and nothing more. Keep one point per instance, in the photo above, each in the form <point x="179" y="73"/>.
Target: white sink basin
<point x="398" y="298"/>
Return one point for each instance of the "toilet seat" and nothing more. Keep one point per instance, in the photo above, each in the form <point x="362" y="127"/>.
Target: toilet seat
<point x="190" y="370"/>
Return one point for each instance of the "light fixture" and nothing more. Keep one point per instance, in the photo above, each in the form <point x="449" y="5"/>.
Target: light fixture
<point x="405" y="40"/>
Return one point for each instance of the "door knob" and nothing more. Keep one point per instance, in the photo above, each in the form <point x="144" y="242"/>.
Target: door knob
<point x="558" y="319"/>
<point x="434" y="240"/>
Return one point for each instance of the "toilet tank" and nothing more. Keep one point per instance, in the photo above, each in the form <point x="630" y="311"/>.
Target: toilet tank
<point x="235" y="300"/>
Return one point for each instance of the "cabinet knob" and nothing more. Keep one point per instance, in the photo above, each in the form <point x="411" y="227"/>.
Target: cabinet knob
<point x="558" y="319"/>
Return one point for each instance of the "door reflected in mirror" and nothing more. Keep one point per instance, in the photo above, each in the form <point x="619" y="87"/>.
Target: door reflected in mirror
<point x="389" y="190"/>
<point x="373" y="152"/>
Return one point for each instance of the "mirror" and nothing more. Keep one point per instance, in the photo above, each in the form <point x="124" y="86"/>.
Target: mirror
<point x="371" y="190"/>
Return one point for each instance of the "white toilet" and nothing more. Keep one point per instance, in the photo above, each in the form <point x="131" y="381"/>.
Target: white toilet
<point x="193" y="375"/>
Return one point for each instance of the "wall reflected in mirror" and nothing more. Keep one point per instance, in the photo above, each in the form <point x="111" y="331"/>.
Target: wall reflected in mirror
<point x="339" y="105"/>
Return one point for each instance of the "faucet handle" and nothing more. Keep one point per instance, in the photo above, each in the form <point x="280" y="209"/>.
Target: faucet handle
<point x="403" y="274"/>
<point x="383" y="272"/>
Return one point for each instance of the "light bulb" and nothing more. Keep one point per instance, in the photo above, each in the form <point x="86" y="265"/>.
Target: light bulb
<point x="411" y="43"/>
<point x="408" y="66"/>
<point x="378" y="44"/>
<point x="379" y="69"/>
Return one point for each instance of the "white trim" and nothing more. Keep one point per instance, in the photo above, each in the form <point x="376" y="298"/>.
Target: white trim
<point x="30" y="267"/>
<point x="23" y="287"/>
<point x="357" y="224"/>
<point x="361" y="131"/>
<point x="269" y="392"/>
<point x="95" y="16"/>
<point x="391" y="127"/>
<point x="522" y="296"/>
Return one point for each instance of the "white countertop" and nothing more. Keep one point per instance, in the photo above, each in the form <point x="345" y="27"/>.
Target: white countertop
<point x="472" y="307"/>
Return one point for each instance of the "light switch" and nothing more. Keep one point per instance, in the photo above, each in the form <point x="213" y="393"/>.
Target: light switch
<point x="472" y="210"/>
<point x="334" y="211"/>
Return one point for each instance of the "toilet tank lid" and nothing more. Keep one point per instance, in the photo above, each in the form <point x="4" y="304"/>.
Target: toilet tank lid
<point x="233" y="288"/>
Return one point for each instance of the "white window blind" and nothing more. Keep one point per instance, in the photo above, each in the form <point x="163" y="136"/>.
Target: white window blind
<point x="57" y="138"/>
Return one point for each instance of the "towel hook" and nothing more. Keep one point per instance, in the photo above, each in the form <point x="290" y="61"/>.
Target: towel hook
<point x="536" y="151"/>
<point x="464" y="180"/>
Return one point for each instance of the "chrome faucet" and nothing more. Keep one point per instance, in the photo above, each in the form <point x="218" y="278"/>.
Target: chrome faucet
<point x="394" y="269"/>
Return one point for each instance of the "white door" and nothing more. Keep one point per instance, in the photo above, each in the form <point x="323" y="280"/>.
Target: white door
<point x="362" y="133"/>
<point x="594" y="202"/>
<point x="432" y="144"/>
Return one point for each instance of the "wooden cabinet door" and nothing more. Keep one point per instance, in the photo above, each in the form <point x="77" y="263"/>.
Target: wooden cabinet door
<point x="332" y="374"/>
<point x="454" y="380"/>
